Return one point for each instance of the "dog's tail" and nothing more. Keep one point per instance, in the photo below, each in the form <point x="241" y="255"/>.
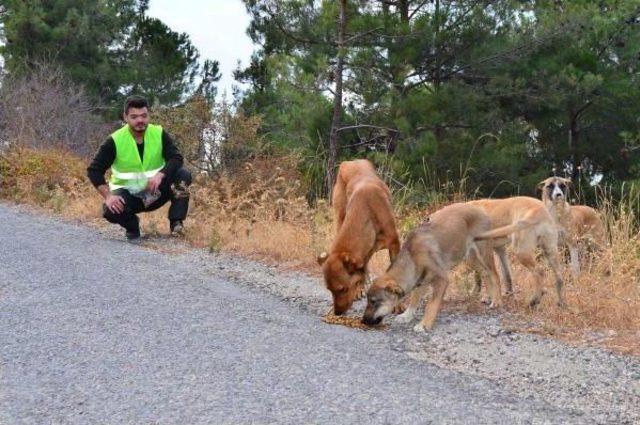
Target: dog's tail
<point x="503" y="231"/>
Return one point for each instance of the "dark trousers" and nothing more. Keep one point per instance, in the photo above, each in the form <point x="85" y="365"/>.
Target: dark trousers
<point x="133" y="205"/>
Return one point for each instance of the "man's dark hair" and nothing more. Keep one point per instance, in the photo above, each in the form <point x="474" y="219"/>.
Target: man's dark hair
<point x="135" y="102"/>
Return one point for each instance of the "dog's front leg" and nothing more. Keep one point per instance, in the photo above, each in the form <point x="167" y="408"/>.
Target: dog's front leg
<point x="414" y="298"/>
<point x="433" y="306"/>
<point x="575" y="260"/>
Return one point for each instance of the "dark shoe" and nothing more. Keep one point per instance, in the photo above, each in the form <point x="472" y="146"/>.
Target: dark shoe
<point x="177" y="228"/>
<point x="133" y="236"/>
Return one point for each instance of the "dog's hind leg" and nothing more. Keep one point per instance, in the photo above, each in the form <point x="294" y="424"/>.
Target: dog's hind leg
<point x="528" y="260"/>
<point x="477" y="278"/>
<point x="506" y="268"/>
<point x="478" y="271"/>
<point x="483" y="262"/>
<point x="551" y="253"/>
<point x="489" y="265"/>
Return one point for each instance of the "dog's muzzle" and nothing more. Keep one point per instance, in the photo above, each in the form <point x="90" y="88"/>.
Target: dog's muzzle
<point x="339" y="311"/>
<point x="370" y="321"/>
<point x="556" y="193"/>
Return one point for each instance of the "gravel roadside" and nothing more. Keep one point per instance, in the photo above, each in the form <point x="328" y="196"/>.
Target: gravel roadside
<point x="603" y="385"/>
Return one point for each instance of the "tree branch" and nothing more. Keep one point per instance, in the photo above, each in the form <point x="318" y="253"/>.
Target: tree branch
<point x="433" y="127"/>
<point x="418" y="8"/>
<point x="618" y="30"/>
<point x="355" y="127"/>
<point x="583" y="108"/>
<point x="356" y="36"/>
<point x="289" y="34"/>
<point x="499" y="55"/>
<point x="461" y="16"/>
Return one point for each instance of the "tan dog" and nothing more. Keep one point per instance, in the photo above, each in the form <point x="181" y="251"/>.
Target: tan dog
<point x="365" y="224"/>
<point x="526" y="223"/>
<point x="576" y="223"/>
<point x="430" y="251"/>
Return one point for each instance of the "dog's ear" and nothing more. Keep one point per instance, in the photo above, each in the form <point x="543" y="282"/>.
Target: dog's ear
<point x="389" y="285"/>
<point x="357" y="279"/>
<point x="541" y="185"/>
<point x="392" y="286"/>
<point x="352" y="264"/>
<point x="566" y="181"/>
<point x="322" y="258"/>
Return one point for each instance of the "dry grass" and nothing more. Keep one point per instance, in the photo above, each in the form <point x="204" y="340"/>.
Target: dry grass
<point x="54" y="180"/>
<point x="262" y="213"/>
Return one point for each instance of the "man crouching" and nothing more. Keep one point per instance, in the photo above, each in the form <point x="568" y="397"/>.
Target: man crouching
<point x="146" y="172"/>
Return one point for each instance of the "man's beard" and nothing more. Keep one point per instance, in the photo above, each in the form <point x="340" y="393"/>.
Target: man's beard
<point x="140" y="128"/>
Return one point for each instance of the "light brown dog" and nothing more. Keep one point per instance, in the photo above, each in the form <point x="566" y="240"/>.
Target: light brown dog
<point x="577" y="224"/>
<point x="430" y="251"/>
<point x="365" y="224"/>
<point x="526" y="223"/>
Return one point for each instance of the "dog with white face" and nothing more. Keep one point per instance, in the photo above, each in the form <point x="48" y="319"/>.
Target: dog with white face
<point x="577" y="224"/>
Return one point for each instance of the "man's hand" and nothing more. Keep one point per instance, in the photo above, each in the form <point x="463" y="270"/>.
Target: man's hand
<point x="115" y="203"/>
<point x="154" y="182"/>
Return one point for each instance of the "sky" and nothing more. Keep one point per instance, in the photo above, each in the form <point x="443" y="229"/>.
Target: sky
<point x="217" y="28"/>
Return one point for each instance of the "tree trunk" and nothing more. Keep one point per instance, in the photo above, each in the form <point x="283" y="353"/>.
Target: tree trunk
<point x="437" y="77"/>
<point x="337" y="101"/>
<point x="574" y="134"/>
<point x="403" y="8"/>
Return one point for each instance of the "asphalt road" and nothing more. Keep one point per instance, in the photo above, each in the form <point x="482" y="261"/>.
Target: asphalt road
<point x="95" y="330"/>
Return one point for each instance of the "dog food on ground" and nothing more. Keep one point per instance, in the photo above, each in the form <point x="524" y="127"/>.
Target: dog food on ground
<point x="350" y="322"/>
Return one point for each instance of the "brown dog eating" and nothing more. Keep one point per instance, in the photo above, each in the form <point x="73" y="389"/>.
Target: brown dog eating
<point x="365" y="224"/>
